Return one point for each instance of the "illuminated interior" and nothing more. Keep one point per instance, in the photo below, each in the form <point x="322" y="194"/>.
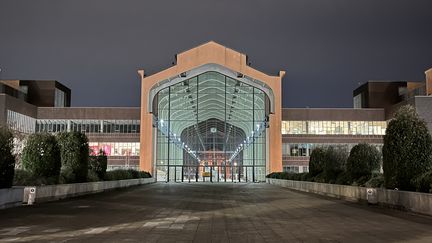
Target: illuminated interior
<point x="210" y="127"/>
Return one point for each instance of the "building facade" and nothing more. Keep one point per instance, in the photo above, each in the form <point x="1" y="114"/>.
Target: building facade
<point x="212" y="117"/>
<point x="307" y="128"/>
<point x="44" y="106"/>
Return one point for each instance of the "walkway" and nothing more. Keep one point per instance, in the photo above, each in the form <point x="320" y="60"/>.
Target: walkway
<point x="199" y="212"/>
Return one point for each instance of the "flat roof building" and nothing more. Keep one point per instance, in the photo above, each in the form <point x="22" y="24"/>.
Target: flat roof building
<point x="212" y="117"/>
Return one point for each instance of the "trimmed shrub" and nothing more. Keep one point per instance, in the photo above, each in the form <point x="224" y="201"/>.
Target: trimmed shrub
<point x="343" y="179"/>
<point x="23" y="178"/>
<point x="407" y="151"/>
<point x="423" y="183"/>
<point x="289" y="176"/>
<point x="98" y="164"/>
<point x="41" y="157"/>
<point x="92" y="176"/>
<point x="7" y="160"/>
<point x="19" y="141"/>
<point x="334" y="164"/>
<point x="121" y="174"/>
<point x="316" y="161"/>
<point x="363" y="160"/>
<point x="272" y="175"/>
<point x="74" y="152"/>
<point x="26" y="178"/>
<point x="306" y="176"/>
<point x="377" y="180"/>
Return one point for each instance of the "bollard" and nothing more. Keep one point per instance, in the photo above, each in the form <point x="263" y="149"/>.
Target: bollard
<point x="372" y="197"/>
<point x="31" y="196"/>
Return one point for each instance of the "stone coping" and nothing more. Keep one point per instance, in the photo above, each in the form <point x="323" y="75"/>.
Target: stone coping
<point x="17" y="195"/>
<point x="416" y="202"/>
<point x="61" y="191"/>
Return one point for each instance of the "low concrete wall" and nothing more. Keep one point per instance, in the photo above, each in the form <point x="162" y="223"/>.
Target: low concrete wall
<point x="56" y="192"/>
<point x="11" y="197"/>
<point x="349" y="193"/>
<point x="410" y="201"/>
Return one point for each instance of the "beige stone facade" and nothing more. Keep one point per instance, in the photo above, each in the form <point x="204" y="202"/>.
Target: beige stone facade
<point x="211" y="53"/>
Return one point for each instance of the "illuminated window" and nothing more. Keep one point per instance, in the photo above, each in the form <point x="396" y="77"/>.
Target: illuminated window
<point x="88" y="126"/>
<point x="334" y="127"/>
<point x="21" y="123"/>
<point x="115" y="148"/>
<point x="59" y="99"/>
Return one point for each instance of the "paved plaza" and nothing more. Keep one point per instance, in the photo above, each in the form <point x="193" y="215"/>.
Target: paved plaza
<point x="204" y="212"/>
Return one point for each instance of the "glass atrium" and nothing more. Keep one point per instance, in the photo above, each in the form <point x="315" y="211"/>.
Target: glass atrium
<point x="211" y="127"/>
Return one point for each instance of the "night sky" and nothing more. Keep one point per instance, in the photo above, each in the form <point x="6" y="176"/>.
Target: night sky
<point x="326" y="47"/>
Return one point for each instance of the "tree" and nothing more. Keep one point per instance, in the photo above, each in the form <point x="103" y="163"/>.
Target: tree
<point x="98" y="164"/>
<point x="18" y="144"/>
<point x="7" y="160"/>
<point x="407" y="149"/>
<point x="316" y="161"/>
<point x="335" y="160"/>
<point x="362" y="161"/>
<point x="41" y="157"/>
<point x="74" y="151"/>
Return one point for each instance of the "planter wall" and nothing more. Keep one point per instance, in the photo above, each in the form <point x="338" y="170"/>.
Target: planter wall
<point x="56" y="192"/>
<point x="410" y="201"/>
<point x="11" y="197"/>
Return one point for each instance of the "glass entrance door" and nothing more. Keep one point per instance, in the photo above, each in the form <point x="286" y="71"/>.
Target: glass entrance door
<point x="210" y="128"/>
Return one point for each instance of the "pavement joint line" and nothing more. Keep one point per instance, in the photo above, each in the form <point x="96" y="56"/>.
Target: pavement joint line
<point x="205" y="212"/>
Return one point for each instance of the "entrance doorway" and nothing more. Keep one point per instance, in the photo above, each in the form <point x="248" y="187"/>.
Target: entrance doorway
<point x="210" y="128"/>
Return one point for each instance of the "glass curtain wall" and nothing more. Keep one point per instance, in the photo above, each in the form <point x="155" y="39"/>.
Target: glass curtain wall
<point x="211" y="128"/>
<point x="334" y="127"/>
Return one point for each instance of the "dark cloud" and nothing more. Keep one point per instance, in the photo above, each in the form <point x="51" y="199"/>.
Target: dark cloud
<point x="326" y="47"/>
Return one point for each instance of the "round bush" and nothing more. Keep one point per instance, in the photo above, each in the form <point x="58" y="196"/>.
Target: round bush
<point x="423" y="182"/>
<point x="343" y="179"/>
<point x="363" y="160"/>
<point x="98" y="164"/>
<point x="377" y="180"/>
<point x="92" y="176"/>
<point x="334" y="164"/>
<point x="41" y="157"/>
<point x="316" y="161"/>
<point x="74" y="151"/>
<point x="407" y="151"/>
<point x="7" y="160"/>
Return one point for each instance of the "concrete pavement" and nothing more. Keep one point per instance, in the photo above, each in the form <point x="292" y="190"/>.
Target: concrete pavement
<point x="205" y="212"/>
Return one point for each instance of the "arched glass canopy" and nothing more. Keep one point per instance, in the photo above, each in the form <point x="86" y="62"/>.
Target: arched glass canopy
<point x="211" y="127"/>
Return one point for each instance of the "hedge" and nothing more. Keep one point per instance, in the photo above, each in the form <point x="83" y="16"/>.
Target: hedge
<point x="122" y="174"/>
<point x="334" y="165"/>
<point x="363" y="160"/>
<point x="407" y="150"/>
<point x="98" y="165"/>
<point x="7" y="160"/>
<point x="74" y="152"/>
<point x="316" y="161"/>
<point x="328" y="165"/>
<point x="41" y="157"/>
